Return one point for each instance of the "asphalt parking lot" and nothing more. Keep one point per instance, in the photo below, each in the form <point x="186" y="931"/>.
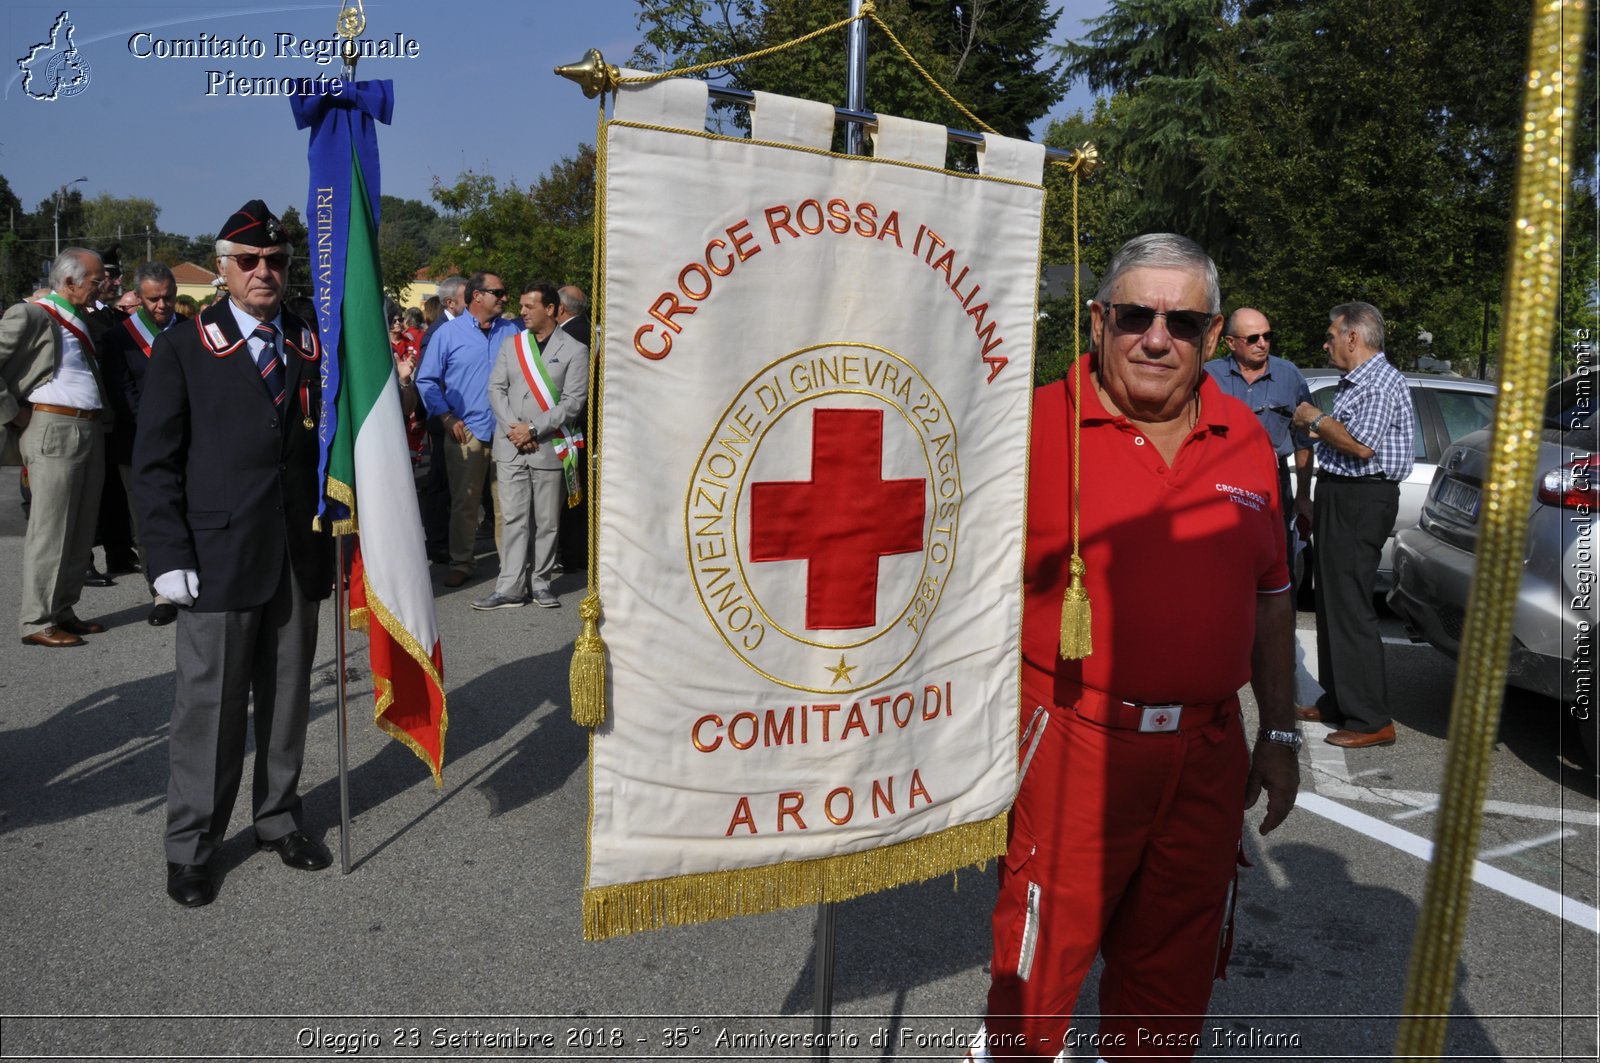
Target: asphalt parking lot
<point x="458" y="933"/>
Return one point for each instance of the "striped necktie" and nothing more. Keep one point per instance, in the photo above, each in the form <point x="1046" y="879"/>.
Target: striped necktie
<point x="268" y="362"/>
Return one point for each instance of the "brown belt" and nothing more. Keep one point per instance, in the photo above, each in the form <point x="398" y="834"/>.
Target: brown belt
<point x="1108" y="710"/>
<point x="67" y="411"/>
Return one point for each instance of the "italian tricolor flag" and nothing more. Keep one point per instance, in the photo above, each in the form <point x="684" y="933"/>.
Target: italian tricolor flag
<point x="368" y="466"/>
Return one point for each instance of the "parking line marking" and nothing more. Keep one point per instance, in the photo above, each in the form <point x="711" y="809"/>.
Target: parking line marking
<point x="1513" y="848"/>
<point x="1546" y="900"/>
<point x="1420" y="810"/>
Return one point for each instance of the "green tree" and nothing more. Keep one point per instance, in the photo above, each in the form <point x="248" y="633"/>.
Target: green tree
<point x="1320" y="161"/>
<point x="542" y="232"/>
<point x="988" y="53"/>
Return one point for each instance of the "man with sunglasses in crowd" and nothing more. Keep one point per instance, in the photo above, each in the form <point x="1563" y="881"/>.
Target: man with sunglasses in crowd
<point x="454" y="385"/>
<point x="1135" y="768"/>
<point x="225" y="484"/>
<point x="1272" y="387"/>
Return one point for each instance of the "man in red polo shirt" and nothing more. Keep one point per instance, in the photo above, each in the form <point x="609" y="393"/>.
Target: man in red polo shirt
<point x="1127" y="825"/>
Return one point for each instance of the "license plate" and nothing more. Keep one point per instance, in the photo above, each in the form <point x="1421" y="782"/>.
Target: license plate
<point x="1461" y="497"/>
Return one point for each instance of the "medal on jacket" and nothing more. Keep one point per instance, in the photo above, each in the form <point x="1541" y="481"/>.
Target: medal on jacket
<point x="305" y="406"/>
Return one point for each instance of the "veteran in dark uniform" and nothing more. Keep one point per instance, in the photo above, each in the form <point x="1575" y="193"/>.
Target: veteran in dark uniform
<point x="226" y="490"/>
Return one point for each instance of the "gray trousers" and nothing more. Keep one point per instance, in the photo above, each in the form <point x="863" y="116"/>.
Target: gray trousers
<point x="224" y="659"/>
<point x="66" y="469"/>
<point x="529" y="502"/>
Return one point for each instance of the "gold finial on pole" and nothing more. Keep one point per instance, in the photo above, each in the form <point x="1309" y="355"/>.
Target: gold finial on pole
<point x="592" y="74"/>
<point x="1085" y="159"/>
<point x="351" y="22"/>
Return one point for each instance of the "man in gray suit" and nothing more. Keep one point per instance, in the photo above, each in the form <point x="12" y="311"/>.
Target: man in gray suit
<point x="537" y="390"/>
<point x="53" y="407"/>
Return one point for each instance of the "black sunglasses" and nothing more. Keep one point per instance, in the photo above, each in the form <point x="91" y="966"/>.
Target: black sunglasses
<point x="277" y="261"/>
<point x="494" y="293"/>
<point x="1253" y="337"/>
<point x="1186" y="325"/>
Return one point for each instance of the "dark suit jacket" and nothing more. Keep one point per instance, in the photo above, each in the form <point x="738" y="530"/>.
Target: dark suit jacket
<point x="122" y="365"/>
<point x="578" y="329"/>
<point x="223" y="482"/>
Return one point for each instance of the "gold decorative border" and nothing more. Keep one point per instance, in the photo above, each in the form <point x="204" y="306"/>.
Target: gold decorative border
<point x="612" y="911"/>
<point x="383" y="689"/>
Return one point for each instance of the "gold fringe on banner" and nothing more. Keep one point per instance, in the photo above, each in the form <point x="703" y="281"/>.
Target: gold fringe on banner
<point x="612" y="911"/>
<point x="1532" y="295"/>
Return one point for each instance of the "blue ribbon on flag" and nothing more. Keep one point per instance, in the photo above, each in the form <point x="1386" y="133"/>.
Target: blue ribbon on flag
<point x="341" y="125"/>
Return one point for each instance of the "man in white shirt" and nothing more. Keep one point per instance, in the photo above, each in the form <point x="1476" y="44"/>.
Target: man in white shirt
<point x="53" y="404"/>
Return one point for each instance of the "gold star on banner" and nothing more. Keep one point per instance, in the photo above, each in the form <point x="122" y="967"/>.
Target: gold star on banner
<point x="841" y="671"/>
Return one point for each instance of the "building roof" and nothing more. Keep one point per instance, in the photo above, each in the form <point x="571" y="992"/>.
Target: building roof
<point x="189" y="273"/>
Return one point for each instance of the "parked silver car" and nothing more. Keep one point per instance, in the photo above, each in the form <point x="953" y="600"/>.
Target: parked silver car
<point x="1447" y="407"/>
<point x="1554" y="627"/>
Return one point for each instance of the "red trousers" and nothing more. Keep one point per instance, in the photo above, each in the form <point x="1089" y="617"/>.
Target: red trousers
<point x="1124" y="843"/>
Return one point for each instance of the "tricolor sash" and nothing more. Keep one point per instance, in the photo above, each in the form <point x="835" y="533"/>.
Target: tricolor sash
<point x="143" y="328"/>
<point x="66" y="316"/>
<point x="546" y="394"/>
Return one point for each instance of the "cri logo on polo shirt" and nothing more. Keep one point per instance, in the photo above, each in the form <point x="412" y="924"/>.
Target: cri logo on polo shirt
<point x="1243" y="497"/>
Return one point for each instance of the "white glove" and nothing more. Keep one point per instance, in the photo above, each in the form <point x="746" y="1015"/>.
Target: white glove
<point x="181" y="586"/>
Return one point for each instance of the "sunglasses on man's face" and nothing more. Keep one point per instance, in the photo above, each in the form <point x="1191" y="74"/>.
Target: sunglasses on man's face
<point x="278" y="261"/>
<point x="1186" y="325"/>
<point x="1250" y="340"/>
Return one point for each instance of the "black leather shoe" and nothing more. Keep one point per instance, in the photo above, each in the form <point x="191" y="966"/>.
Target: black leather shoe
<point x="123" y="565"/>
<point x="189" y="885"/>
<point x="161" y="615"/>
<point x="95" y="578"/>
<point x="298" y="851"/>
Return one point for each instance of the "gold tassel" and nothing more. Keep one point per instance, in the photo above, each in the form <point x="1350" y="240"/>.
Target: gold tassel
<point x="1075" y="641"/>
<point x="588" y="675"/>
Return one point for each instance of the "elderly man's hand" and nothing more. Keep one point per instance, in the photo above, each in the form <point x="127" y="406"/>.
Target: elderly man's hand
<point x="1274" y="767"/>
<point x="1304" y="414"/>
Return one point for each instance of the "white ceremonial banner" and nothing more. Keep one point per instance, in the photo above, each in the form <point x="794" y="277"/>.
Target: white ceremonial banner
<point x="816" y="378"/>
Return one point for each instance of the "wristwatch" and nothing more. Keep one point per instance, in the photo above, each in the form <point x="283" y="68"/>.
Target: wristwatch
<point x="1291" y="739"/>
<point x="1312" y="427"/>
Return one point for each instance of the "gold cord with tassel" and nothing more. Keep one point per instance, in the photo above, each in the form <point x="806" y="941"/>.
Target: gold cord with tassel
<point x="586" y="677"/>
<point x="1076" y="617"/>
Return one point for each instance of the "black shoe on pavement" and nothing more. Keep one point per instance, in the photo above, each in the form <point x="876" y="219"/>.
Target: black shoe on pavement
<point x="298" y="851"/>
<point x="162" y="614"/>
<point x="95" y="578"/>
<point x="189" y="885"/>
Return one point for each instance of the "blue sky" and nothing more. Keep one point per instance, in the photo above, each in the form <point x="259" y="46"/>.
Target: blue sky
<point x="479" y="95"/>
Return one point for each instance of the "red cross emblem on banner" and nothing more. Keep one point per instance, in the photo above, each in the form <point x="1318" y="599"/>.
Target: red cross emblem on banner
<point x="841" y="521"/>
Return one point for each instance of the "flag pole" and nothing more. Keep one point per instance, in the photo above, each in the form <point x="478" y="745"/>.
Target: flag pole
<point x="827" y="911"/>
<point x="341" y="614"/>
<point x="348" y="25"/>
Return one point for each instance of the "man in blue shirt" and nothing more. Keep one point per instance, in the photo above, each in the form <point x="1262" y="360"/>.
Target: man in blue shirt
<point x="1272" y="387"/>
<point x="454" y="386"/>
<point x="1364" y="450"/>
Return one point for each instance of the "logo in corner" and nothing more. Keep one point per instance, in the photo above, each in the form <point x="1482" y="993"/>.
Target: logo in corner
<point x="55" y="68"/>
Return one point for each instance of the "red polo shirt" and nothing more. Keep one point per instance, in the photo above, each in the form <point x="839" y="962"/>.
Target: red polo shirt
<point x="1175" y="555"/>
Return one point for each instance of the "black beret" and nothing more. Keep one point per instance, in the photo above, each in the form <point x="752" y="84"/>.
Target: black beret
<point x="252" y="224"/>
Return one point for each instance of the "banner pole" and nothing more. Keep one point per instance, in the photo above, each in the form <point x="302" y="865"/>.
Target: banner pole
<point x="341" y="613"/>
<point x="827" y="911"/>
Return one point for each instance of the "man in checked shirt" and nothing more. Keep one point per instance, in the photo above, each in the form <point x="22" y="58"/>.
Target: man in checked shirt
<point x="1363" y="451"/>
